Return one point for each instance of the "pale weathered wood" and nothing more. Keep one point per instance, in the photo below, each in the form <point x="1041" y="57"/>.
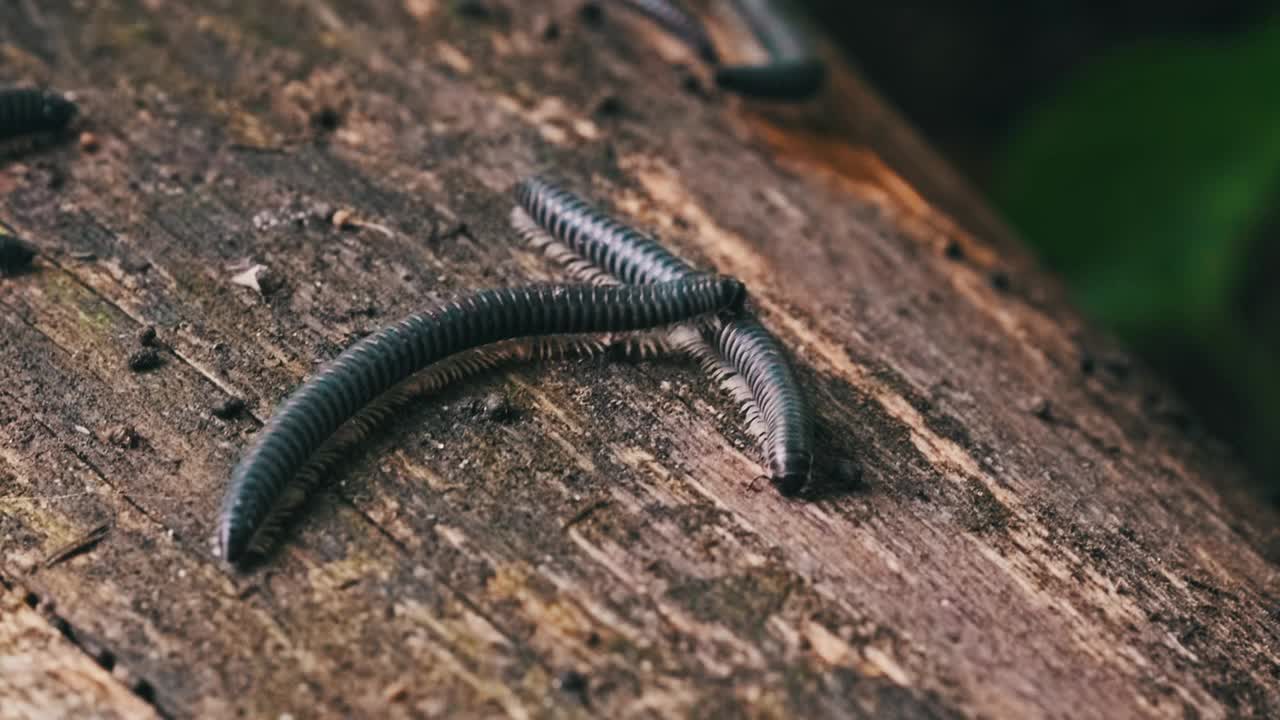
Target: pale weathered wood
<point x="42" y="674"/>
<point x="1039" y="529"/>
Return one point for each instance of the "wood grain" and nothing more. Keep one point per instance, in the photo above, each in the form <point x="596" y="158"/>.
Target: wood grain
<point x="1040" y="529"/>
<point x="43" y="674"/>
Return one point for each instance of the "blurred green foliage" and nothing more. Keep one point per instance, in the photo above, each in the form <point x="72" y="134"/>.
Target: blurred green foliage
<point x="1152" y="182"/>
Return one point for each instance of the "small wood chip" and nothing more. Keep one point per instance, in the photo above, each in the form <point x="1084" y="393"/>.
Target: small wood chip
<point x="396" y="691"/>
<point x="228" y="408"/>
<point x="1041" y="408"/>
<point x="77" y="546"/>
<point x="546" y="28"/>
<point x="122" y="436"/>
<point x="344" y="218"/>
<point x="496" y="407"/>
<point x="144" y="360"/>
<point x="249" y="278"/>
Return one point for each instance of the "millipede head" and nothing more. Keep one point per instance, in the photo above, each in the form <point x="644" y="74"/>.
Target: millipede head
<point x="791" y="474"/>
<point x="735" y="292"/>
<point x="57" y="110"/>
<point x="790" y="485"/>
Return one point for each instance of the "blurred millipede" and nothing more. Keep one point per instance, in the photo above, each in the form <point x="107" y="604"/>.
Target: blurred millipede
<point x="15" y="254"/>
<point x="794" y="70"/>
<point x="311" y="416"/>
<point x="678" y="22"/>
<point x="30" y="110"/>
<point x="747" y="360"/>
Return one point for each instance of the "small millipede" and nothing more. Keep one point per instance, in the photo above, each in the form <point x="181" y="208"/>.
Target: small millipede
<point x="680" y="23"/>
<point x="794" y="70"/>
<point x="751" y="364"/>
<point x="31" y="110"/>
<point x="261" y="481"/>
<point x="747" y="360"/>
<point x="15" y="254"/>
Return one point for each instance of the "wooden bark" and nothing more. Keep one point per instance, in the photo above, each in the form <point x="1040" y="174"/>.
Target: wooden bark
<point x="1039" y="529"/>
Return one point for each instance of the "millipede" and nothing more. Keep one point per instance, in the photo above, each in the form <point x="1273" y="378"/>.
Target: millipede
<point x="32" y="110"/>
<point x="782" y="422"/>
<point x="778" y="80"/>
<point x="262" y="481"/>
<point x="794" y="70"/>
<point x="15" y="253"/>
<point x="739" y="352"/>
<point x="680" y="23"/>
<point x="424" y="383"/>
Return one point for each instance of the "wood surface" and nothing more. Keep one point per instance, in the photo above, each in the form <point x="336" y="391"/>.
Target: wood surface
<point x="1038" y="530"/>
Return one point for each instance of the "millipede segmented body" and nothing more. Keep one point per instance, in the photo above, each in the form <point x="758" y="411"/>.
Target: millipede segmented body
<point x="779" y="80"/>
<point x="747" y="359"/>
<point x="785" y="425"/>
<point x="794" y="70"/>
<point x="624" y="253"/>
<point x="381" y="361"/>
<point x="420" y="385"/>
<point x="680" y="23"/>
<point x="30" y="110"/>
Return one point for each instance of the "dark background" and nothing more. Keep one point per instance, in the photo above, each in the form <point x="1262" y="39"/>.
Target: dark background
<point x="1136" y="146"/>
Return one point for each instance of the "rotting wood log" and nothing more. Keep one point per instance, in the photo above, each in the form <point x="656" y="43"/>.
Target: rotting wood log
<point x="1039" y="530"/>
<point x="42" y="674"/>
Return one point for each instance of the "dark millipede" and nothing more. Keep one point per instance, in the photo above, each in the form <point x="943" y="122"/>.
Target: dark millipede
<point x="363" y="372"/>
<point x="794" y="70"/>
<point x="779" y="80"/>
<point x="15" y="254"/>
<point x="675" y="20"/>
<point x="776" y="408"/>
<point x="419" y="385"/>
<point x="30" y="110"/>
<point x="461" y="365"/>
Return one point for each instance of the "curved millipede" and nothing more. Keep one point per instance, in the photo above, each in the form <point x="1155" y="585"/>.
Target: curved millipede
<point x="380" y="361"/>
<point x="747" y="359"/>
<point x="420" y="385"/>
<point x="30" y="110"/>
<point x="453" y="369"/>
<point x="675" y="20"/>
<point x="794" y="70"/>
<point x="751" y="363"/>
